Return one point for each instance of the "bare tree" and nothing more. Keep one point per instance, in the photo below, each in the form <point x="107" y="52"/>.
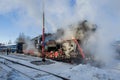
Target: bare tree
<point x="21" y="38"/>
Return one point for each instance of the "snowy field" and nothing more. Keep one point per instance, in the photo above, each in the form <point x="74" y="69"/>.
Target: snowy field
<point x="73" y="72"/>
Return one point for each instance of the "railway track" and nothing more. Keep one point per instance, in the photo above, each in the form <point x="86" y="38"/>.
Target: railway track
<point x="23" y="57"/>
<point x="18" y="63"/>
<point x="17" y="71"/>
<point x="16" y="57"/>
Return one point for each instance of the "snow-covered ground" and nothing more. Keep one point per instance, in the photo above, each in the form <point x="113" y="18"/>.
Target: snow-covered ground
<point x="73" y="72"/>
<point x="87" y="72"/>
<point x="8" y="74"/>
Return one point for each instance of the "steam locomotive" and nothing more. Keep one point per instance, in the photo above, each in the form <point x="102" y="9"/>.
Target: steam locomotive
<point x="61" y="47"/>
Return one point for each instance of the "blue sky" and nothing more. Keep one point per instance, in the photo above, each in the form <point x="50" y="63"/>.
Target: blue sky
<point x="17" y="16"/>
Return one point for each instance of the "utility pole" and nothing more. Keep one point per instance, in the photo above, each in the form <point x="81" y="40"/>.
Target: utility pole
<point x="43" y="34"/>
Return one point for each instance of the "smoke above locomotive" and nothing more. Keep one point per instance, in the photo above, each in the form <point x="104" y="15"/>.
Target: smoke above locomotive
<point x="80" y="31"/>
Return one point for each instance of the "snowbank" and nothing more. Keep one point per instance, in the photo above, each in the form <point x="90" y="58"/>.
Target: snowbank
<point x="87" y="72"/>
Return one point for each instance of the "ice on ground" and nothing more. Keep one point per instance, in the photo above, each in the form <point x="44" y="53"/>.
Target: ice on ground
<point x="48" y="77"/>
<point x="3" y="74"/>
<point x="87" y="72"/>
<point x="2" y="60"/>
<point x="11" y="75"/>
